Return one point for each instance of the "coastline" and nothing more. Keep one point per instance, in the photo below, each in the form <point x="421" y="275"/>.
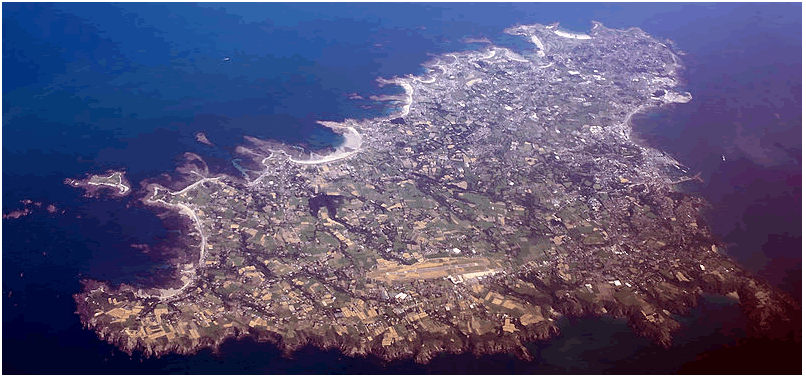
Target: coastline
<point x="305" y="58"/>
<point x="352" y="144"/>
<point x="408" y="91"/>
<point x="182" y="209"/>
<point x="566" y="34"/>
<point x="93" y="184"/>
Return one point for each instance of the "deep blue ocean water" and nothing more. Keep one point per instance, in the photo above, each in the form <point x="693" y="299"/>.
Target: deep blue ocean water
<point x="91" y="86"/>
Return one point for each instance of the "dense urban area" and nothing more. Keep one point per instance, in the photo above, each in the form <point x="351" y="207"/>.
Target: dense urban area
<point x="505" y="194"/>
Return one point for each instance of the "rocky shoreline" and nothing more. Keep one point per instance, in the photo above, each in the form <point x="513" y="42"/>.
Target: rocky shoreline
<point x="116" y="183"/>
<point x="765" y="307"/>
<point x="506" y="196"/>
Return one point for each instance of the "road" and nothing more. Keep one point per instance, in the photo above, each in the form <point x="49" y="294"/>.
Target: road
<point x="165" y="294"/>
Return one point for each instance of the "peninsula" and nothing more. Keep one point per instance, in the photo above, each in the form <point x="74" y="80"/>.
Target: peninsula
<point x="114" y="181"/>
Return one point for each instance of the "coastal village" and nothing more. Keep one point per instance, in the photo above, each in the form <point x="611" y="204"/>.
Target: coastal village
<point x="507" y="195"/>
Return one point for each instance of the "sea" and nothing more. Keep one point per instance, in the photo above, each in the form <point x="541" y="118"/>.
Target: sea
<point x="89" y="87"/>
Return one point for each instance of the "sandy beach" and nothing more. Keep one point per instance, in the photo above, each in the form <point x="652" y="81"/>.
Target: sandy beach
<point x="571" y="35"/>
<point x="351" y="145"/>
<point x="541" y="49"/>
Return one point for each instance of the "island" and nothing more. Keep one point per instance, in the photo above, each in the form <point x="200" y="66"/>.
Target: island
<point x="506" y="194"/>
<point x="114" y="181"/>
<point x="201" y="137"/>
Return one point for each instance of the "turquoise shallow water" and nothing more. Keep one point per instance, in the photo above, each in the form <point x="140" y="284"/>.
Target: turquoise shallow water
<point x="88" y="87"/>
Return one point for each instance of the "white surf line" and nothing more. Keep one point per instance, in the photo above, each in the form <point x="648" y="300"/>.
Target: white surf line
<point x="197" y="221"/>
<point x="409" y="96"/>
<point x="440" y="66"/>
<point x="409" y="91"/>
<point x="429" y="81"/>
<point x="541" y="49"/>
<point x="565" y="34"/>
<point x="165" y="294"/>
<point x="624" y="127"/>
<point x="492" y="53"/>
<point x="352" y="140"/>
